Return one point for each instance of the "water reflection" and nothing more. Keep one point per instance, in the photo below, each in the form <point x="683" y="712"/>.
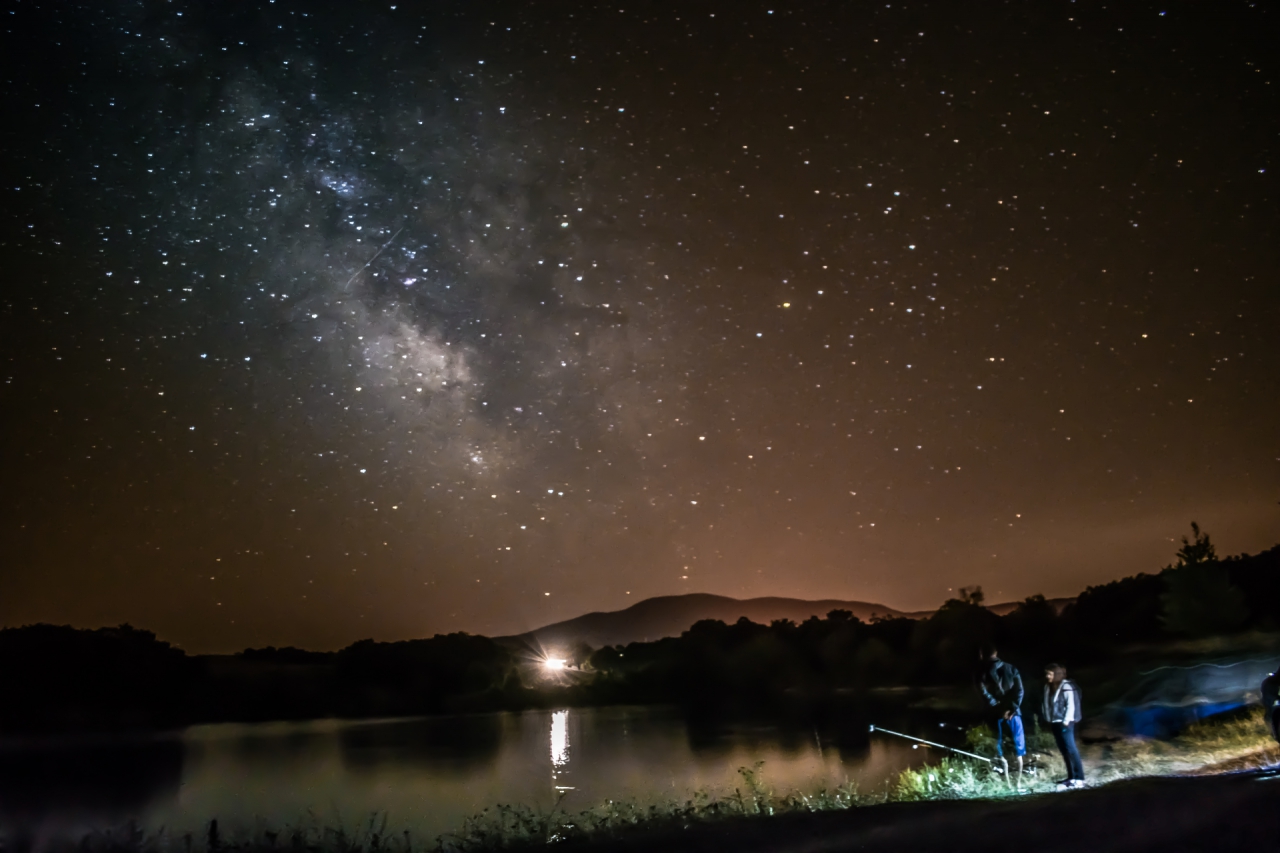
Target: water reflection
<point x="425" y="775"/>
<point x="77" y="782"/>
<point x="560" y="751"/>
<point x="447" y="745"/>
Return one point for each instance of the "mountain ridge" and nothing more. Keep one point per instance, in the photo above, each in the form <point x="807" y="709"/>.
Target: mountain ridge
<point x="671" y="615"/>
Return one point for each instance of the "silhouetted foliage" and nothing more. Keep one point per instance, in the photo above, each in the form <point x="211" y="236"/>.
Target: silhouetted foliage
<point x="64" y="678"/>
<point x="287" y="655"/>
<point x="1199" y="598"/>
<point x="60" y="677"/>
<point x="1115" y="613"/>
<point x="1258" y="578"/>
<point x="112" y="678"/>
<point x="749" y="665"/>
<point x="1034" y="628"/>
<point x="1197" y="550"/>
<point x="419" y="676"/>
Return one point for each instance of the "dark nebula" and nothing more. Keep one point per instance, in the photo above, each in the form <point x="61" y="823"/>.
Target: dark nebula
<point x="331" y="320"/>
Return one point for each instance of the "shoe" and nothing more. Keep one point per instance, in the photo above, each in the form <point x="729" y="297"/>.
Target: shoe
<point x="1078" y="783"/>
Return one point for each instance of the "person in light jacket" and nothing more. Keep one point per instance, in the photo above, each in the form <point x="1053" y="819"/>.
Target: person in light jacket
<point x="1061" y="710"/>
<point x="1000" y="684"/>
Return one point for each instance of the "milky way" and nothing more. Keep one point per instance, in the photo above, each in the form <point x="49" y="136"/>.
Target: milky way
<point x="344" y="320"/>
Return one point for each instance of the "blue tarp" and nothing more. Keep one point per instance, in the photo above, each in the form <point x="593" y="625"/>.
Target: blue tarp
<point x="1164" y="700"/>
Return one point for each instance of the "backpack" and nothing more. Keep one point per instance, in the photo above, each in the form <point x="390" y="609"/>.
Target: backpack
<point x="1079" y="705"/>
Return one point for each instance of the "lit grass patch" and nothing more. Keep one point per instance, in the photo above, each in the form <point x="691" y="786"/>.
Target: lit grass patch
<point x="957" y="778"/>
<point x="949" y="779"/>
<point x="519" y="827"/>
<point x="1207" y="742"/>
<point x="1233" y="743"/>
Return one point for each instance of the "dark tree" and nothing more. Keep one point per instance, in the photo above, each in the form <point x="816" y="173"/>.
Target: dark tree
<point x="1199" y="598"/>
<point x="1198" y="550"/>
<point x="64" y="678"/>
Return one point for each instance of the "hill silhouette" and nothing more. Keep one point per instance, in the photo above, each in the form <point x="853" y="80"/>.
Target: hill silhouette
<point x="708" y="653"/>
<point x="672" y="615"/>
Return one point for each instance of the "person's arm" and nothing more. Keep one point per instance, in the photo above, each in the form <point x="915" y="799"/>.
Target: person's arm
<point x="1069" y="716"/>
<point x="992" y="701"/>
<point x="1017" y="689"/>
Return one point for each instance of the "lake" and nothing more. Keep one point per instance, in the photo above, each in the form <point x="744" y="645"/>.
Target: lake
<point x="425" y="774"/>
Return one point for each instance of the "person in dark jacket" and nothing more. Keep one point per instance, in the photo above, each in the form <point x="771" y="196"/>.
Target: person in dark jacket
<point x="1001" y="686"/>
<point x="1061" y="710"/>
<point x="1270" y="696"/>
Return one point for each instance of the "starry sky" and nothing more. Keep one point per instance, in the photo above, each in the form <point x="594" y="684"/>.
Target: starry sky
<point x="328" y="320"/>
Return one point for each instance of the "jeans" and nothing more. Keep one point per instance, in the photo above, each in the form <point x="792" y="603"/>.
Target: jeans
<point x="1065" y="735"/>
<point x="1014" y="725"/>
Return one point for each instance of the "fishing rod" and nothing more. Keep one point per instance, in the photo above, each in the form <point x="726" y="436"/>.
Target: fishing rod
<point x="931" y="743"/>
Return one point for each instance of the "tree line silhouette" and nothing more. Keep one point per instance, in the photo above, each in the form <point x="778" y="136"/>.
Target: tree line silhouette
<point x="713" y="663"/>
<point x="62" y="678"/>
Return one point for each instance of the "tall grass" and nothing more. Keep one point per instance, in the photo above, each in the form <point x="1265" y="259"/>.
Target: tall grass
<point x="518" y="827"/>
<point x="1236" y="742"/>
<point x="370" y="837"/>
<point x="1201" y="745"/>
<point x="954" y="778"/>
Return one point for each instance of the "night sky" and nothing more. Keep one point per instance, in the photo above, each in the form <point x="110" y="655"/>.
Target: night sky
<point x="331" y="320"/>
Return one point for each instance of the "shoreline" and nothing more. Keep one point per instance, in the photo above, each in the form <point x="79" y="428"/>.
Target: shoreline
<point x="1209" y="813"/>
<point x="1211" y="753"/>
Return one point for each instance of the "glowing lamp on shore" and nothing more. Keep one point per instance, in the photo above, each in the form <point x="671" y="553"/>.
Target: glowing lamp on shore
<point x="554" y="663"/>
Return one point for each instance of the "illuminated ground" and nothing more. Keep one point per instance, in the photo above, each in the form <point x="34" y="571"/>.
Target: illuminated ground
<point x="1218" y="813"/>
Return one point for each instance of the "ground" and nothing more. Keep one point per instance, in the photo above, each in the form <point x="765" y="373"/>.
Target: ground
<point x="1189" y="813"/>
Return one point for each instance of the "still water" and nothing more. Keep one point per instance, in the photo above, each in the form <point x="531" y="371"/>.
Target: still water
<point x="425" y="774"/>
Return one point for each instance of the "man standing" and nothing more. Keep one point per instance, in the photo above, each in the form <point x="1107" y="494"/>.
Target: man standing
<point x="1061" y="710"/>
<point x="1001" y="687"/>
<point x="1270" y="697"/>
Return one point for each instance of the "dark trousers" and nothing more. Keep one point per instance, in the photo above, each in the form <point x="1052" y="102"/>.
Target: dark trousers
<point x="1065" y="735"/>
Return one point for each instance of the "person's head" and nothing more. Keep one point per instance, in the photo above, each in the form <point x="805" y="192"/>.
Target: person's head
<point x="988" y="653"/>
<point x="1054" y="673"/>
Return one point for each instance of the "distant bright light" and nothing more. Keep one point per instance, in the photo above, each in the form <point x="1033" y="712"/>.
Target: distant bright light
<point x="554" y="663"/>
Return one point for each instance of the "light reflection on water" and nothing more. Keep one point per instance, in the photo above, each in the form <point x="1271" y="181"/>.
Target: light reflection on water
<point x="559" y="750"/>
<point x="426" y="775"/>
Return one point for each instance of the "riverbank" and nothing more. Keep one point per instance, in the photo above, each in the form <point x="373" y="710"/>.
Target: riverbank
<point x="756" y="817"/>
<point x="946" y="805"/>
<point x="1217" y="813"/>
